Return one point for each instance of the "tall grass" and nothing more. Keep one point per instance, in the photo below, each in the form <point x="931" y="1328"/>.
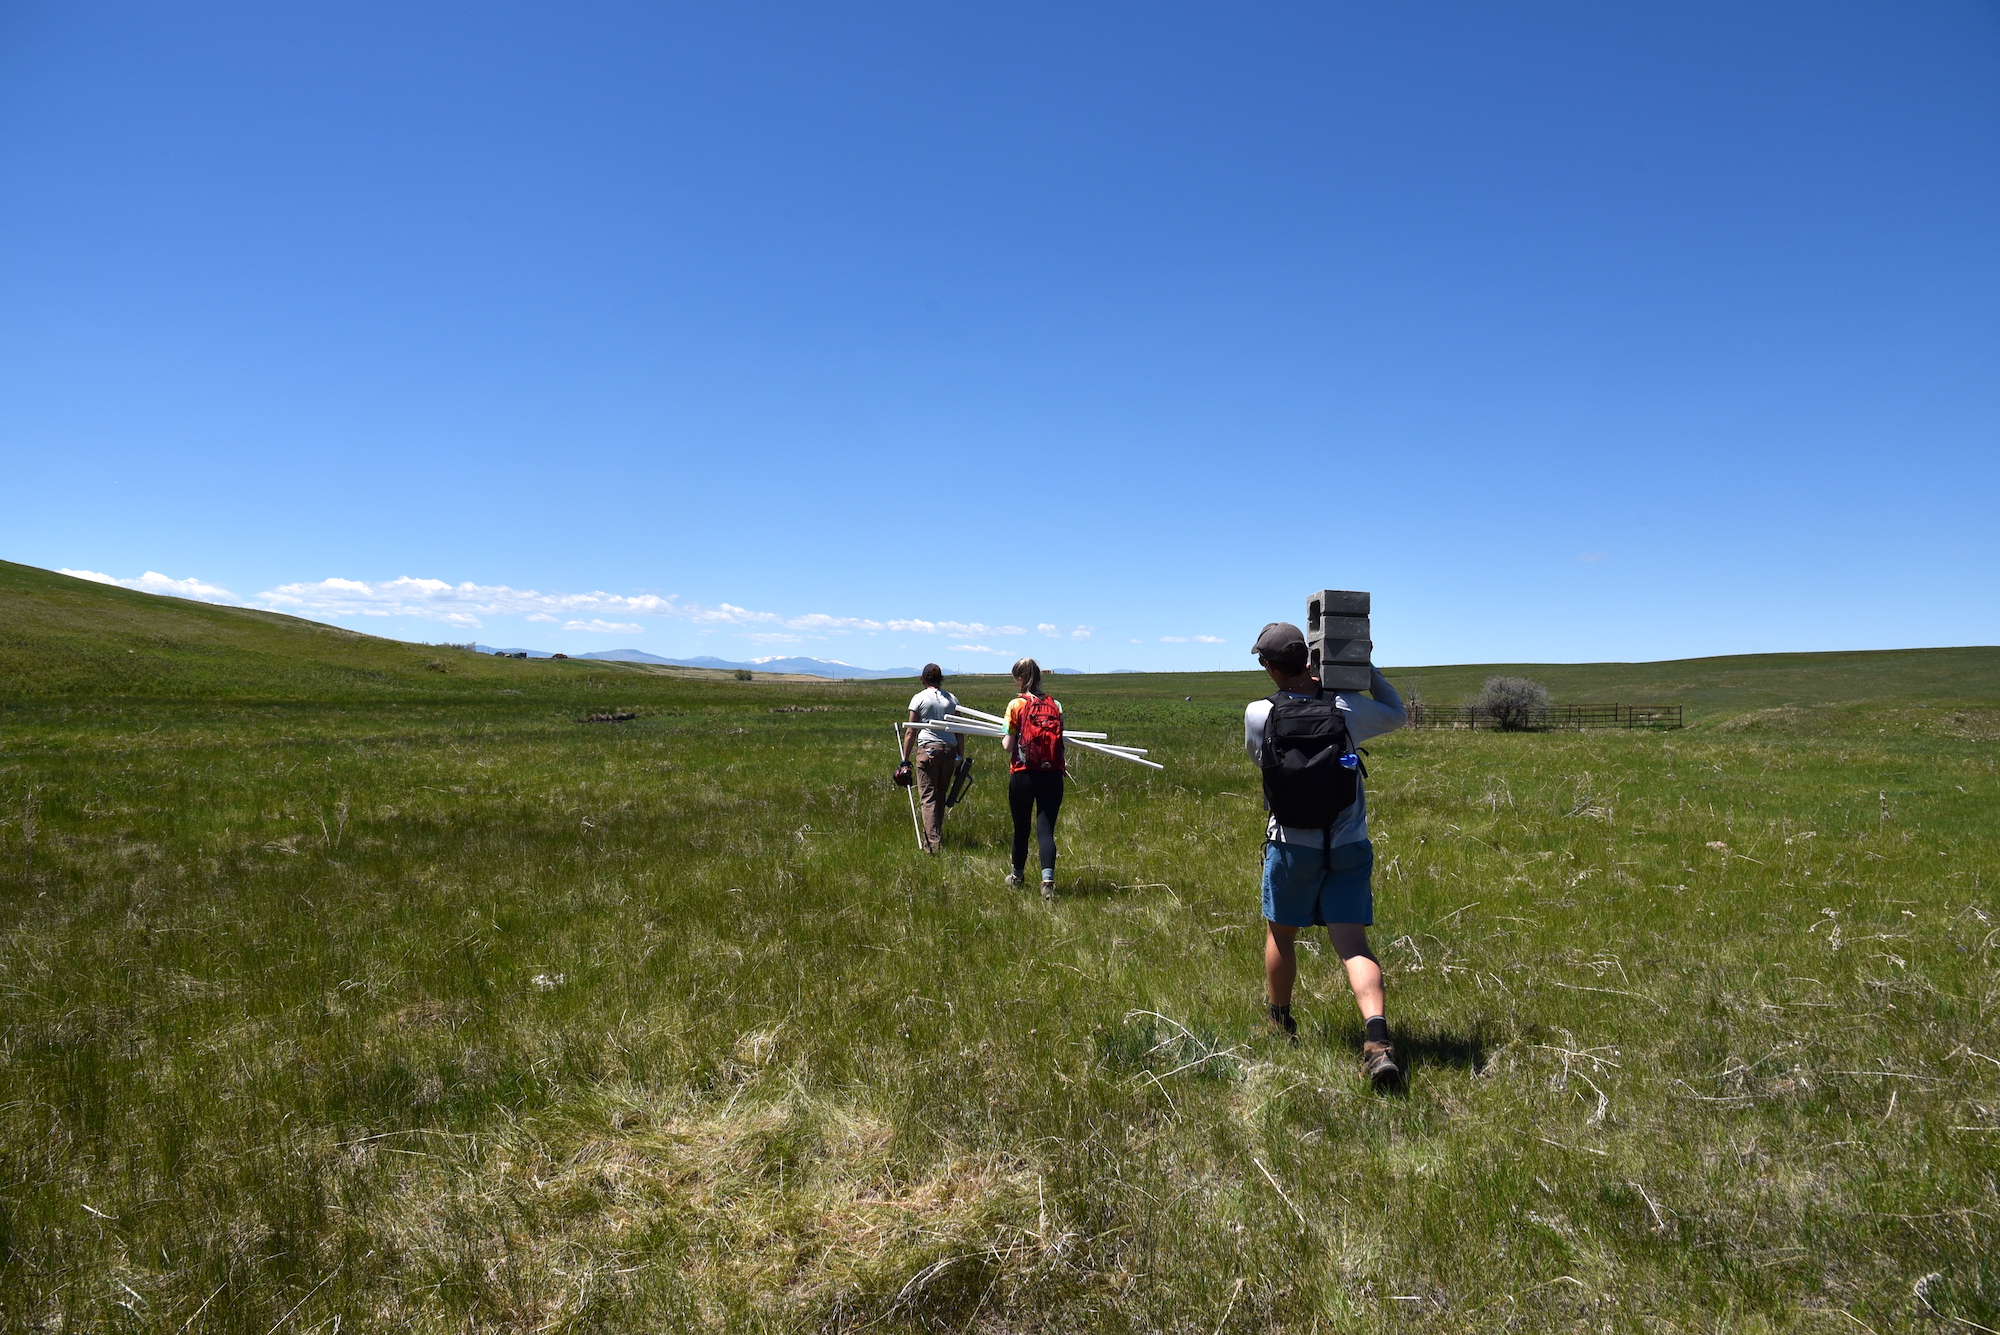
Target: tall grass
<point x="338" y="992"/>
<point x="423" y="1016"/>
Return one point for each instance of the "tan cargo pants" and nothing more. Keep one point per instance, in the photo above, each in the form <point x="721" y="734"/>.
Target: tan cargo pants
<point x="936" y="763"/>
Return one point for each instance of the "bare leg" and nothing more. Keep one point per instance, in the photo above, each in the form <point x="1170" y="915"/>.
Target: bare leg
<point x="1281" y="962"/>
<point x="1364" y="972"/>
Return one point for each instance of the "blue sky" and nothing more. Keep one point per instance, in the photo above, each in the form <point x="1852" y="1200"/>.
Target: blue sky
<point x="1102" y="332"/>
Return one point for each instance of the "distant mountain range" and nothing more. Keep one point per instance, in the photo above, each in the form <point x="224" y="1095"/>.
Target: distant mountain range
<point x="808" y="667"/>
<point x="804" y="667"/>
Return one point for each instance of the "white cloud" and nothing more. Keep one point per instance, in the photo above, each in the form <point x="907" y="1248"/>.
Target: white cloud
<point x="1209" y="639"/>
<point x="154" y="582"/>
<point x="465" y="605"/>
<point x="971" y="649"/>
<point x="961" y="628"/>
<point x="727" y="614"/>
<point x="1590" y="556"/>
<point x="456" y="604"/>
<point x="1173" y="639"/>
<point x="821" y="621"/>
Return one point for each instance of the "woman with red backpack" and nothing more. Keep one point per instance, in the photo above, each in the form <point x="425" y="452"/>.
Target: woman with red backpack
<point x="1034" y="743"/>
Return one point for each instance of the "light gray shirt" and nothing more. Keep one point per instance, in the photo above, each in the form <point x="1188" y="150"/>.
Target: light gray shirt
<point x="1365" y="718"/>
<point x="929" y="705"/>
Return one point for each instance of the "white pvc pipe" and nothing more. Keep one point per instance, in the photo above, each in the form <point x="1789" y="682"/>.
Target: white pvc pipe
<point x="954" y="721"/>
<point x="973" y="728"/>
<point x="960" y="729"/>
<point x="915" y="824"/>
<point x="1105" y="750"/>
<point x="996" y="728"/>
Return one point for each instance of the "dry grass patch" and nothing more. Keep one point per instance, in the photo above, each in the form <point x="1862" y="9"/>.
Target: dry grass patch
<point x="773" y="1202"/>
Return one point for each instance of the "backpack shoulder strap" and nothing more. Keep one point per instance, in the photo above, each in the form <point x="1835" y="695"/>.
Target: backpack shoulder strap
<point x="1266" y="749"/>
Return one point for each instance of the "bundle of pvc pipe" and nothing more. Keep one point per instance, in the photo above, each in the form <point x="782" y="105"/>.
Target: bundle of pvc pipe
<point x="978" y="723"/>
<point x="1068" y="736"/>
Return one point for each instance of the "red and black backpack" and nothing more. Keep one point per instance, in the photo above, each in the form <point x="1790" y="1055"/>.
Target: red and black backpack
<point x="1038" y="726"/>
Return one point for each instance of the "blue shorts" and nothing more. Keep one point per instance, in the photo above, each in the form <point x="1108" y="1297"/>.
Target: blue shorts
<point x="1299" y="890"/>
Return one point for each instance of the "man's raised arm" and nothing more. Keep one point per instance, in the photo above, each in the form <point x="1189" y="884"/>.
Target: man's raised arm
<point x="1380" y="711"/>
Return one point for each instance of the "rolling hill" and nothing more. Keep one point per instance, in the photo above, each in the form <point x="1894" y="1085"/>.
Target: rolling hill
<point x="63" y="638"/>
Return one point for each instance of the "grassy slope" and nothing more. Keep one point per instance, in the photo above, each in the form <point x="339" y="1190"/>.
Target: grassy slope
<point x="72" y="640"/>
<point x="335" y="986"/>
<point x="1711" y="686"/>
<point x="75" y="641"/>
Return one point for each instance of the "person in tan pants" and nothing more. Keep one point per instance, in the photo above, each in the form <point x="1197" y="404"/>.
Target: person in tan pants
<point x="937" y="751"/>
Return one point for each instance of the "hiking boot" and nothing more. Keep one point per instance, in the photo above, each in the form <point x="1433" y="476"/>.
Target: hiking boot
<point x="1048" y="892"/>
<point x="1378" y="1063"/>
<point x="1013" y="878"/>
<point x="1281" y="1018"/>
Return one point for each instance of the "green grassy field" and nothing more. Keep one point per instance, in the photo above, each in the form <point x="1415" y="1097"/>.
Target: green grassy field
<point x="352" y="985"/>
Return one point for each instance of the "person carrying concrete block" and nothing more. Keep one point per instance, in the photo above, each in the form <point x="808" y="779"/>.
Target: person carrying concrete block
<point x="1317" y="858"/>
<point x="938" y="751"/>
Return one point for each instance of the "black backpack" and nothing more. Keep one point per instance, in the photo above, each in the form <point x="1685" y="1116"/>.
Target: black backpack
<point x="1311" y="768"/>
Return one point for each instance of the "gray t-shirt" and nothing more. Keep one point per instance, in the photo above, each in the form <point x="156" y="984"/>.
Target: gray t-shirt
<point x="1365" y="718"/>
<point x="931" y="704"/>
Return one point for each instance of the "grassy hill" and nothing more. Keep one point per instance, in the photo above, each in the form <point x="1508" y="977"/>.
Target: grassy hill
<point x="1711" y="686"/>
<point x="71" y="639"/>
<point x="340" y="992"/>
<point x="66" y="639"/>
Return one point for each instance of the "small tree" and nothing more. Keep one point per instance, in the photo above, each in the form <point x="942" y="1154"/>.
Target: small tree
<point x="743" y="674"/>
<point x="1513" y="703"/>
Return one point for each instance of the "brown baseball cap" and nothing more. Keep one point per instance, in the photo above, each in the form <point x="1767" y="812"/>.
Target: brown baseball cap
<point x="1281" y="640"/>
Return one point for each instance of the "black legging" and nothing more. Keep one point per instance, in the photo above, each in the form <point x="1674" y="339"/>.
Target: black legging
<point x="1027" y="790"/>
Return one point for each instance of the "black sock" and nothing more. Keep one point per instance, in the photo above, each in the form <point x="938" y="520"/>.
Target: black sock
<point x="1378" y="1029"/>
<point x="1282" y="1017"/>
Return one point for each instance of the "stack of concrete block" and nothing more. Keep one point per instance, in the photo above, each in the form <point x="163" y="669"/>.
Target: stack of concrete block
<point x="1337" y="639"/>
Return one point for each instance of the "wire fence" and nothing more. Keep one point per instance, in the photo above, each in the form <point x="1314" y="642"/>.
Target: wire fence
<point x="1470" y="717"/>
